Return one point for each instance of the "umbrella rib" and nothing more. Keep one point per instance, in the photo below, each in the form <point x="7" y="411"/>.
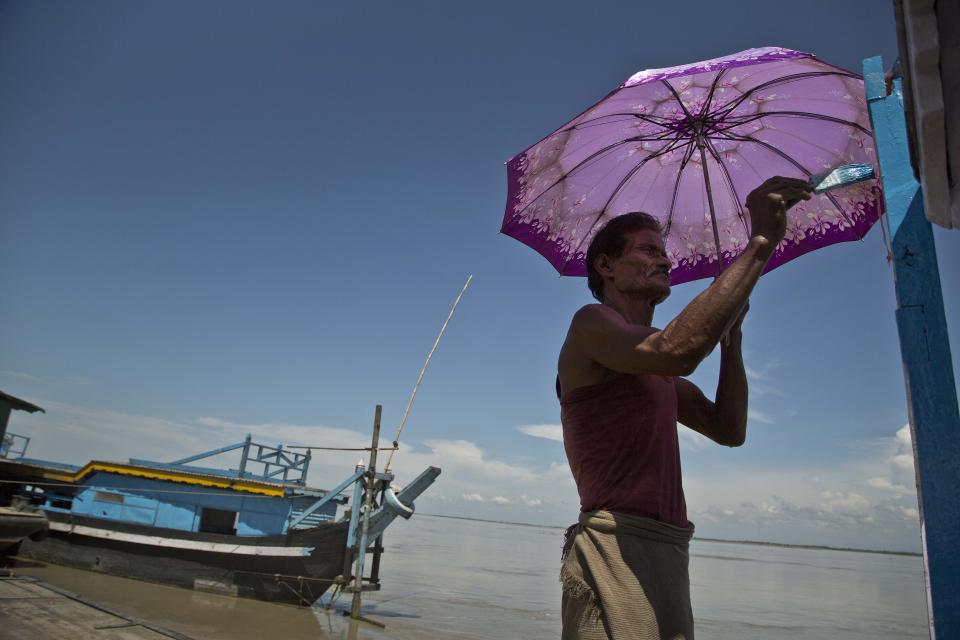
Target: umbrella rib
<point x="791" y="134"/>
<point x="668" y="148"/>
<point x="677" y="98"/>
<point x="730" y="184"/>
<point x="641" y="116"/>
<point x="593" y="123"/>
<point x="676" y="189"/>
<point x="789" y="159"/>
<point x="833" y="199"/>
<point x="713" y="213"/>
<point x="713" y="87"/>
<point x="772" y="148"/>
<point x="633" y="171"/>
<point x="657" y="138"/>
<point x="799" y="114"/>
<point x="580" y="164"/>
<point x="727" y="108"/>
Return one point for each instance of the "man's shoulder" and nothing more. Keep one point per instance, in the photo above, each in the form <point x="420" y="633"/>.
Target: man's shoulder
<point x="594" y="313"/>
<point x="585" y="321"/>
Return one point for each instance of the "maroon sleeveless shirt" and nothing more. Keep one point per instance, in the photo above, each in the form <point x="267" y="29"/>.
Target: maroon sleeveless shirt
<point x="621" y="442"/>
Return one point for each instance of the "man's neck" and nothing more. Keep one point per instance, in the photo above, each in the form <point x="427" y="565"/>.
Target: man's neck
<point x="634" y="309"/>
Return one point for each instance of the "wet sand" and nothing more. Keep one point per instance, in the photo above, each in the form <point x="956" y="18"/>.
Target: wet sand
<point x="31" y="609"/>
<point x="192" y="613"/>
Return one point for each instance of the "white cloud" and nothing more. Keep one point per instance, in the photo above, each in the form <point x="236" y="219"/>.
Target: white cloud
<point x="319" y="435"/>
<point x="886" y="484"/>
<point x="759" y="416"/>
<point x="910" y="513"/>
<point x="904" y="461"/>
<point x="904" y="437"/>
<point x="754" y="374"/>
<point x="872" y="493"/>
<point x="848" y="503"/>
<point x="762" y="380"/>
<point x="20" y="374"/>
<point x="547" y="431"/>
<point x="558" y="470"/>
<point x="78" y="434"/>
<point x="69" y="380"/>
<point x="691" y="440"/>
<point x="468" y="456"/>
<point x="870" y="501"/>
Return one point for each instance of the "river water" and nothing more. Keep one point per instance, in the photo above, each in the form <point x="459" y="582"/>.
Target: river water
<point x="453" y="578"/>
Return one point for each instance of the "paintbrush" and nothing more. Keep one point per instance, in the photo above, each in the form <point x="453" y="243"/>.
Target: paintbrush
<point x="842" y="176"/>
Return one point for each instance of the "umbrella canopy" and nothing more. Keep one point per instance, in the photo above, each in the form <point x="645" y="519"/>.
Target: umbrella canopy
<point x="687" y="144"/>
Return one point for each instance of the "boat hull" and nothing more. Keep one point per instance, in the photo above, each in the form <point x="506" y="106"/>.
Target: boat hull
<point x="296" y="568"/>
<point x="15" y="525"/>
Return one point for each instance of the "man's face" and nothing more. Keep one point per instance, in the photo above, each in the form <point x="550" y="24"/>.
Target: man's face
<point x="643" y="268"/>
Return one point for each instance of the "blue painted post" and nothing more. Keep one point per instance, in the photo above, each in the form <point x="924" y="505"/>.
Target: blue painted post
<point x="205" y="454"/>
<point x="356" y="502"/>
<point x="927" y="367"/>
<point x="244" y="456"/>
<point x="283" y="460"/>
<point x="4" y="418"/>
<point x="306" y="467"/>
<point x="356" y="478"/>
<point x="369" y="487"/>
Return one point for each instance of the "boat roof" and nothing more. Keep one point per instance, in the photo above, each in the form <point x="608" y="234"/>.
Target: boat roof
<point x="162" y="472"/>
<point x="20" y="405"/>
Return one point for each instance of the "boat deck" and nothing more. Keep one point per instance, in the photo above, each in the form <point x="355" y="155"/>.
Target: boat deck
<point x="33" y="610"/>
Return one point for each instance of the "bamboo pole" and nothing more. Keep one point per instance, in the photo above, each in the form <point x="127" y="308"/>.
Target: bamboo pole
<point x="367" y="508"/>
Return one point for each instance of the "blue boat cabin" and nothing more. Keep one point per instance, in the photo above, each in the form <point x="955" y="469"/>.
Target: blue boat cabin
<point x="186" y="498"/>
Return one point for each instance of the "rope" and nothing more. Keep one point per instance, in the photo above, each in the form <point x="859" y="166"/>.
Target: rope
<point x="283" y="575"/>
<point x="406" y="411"/>
<point x="304" y="446"/>
<point x="337" y="590"/>
<point x="885" y="233"/>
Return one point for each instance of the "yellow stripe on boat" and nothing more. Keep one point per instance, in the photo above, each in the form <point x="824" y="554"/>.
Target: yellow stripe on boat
<point x="170" y="476"/>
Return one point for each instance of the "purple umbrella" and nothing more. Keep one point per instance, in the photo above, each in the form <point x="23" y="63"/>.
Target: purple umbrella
<point x="687" y="144"/>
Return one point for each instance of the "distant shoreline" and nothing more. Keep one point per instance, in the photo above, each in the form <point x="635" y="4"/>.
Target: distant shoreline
<point x="784" y="545"/>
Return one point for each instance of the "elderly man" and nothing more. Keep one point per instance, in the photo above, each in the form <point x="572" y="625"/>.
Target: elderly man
<point x="624" y="570"/>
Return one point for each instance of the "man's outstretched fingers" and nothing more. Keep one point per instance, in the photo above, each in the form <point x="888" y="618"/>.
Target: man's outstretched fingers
<point x="778" y="183"/>
<point x="792" y="193"/>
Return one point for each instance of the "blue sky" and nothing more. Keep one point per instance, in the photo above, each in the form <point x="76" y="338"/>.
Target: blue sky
<point x="224" y="217"/>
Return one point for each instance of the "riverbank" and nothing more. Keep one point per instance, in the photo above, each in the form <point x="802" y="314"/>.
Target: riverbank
<point x="31" y="609"/>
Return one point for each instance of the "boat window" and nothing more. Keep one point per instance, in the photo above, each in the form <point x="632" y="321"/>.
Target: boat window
<point x="218" y="521"/>
<point x="104" y="496"/>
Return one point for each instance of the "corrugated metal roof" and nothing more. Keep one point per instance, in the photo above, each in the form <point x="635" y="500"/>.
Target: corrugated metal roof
<point x="73" y="474"/>
<point x="20" y="405"/>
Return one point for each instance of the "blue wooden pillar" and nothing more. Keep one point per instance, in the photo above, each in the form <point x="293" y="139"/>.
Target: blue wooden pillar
<point x="927" y="367"/>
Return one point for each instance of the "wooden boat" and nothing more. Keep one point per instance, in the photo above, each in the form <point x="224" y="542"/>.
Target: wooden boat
<point x="17" y="524"/>
<point x="263" y="535"/>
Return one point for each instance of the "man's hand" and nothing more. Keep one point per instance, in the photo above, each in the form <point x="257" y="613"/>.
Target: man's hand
<point x="768" y="206"/>
<point x="732" y="337"/>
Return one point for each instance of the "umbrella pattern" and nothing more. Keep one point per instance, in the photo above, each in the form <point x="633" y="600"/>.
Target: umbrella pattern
<point x="687" y="144"/>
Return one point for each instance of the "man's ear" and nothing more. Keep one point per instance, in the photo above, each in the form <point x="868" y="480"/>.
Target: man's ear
<point x="603" y="264"/>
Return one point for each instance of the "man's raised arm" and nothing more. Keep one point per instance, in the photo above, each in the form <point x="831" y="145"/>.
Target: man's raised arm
<point x="679" y="347"/>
